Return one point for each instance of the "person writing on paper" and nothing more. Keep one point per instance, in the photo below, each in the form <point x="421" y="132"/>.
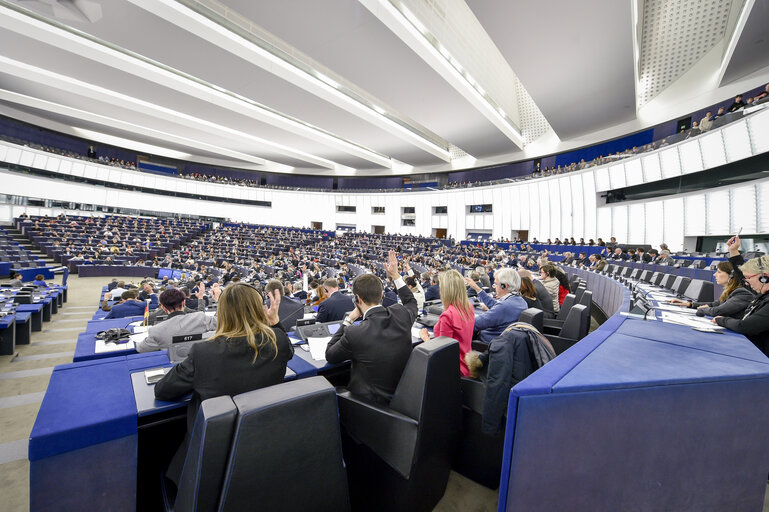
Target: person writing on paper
<point x="248" y="351"/>
<point x="754" y="324"/>
<point x="178" y="323"/>
<point x="733" y="301"/>
<point x="380" y="345"/>
<point x="458" y="318"/>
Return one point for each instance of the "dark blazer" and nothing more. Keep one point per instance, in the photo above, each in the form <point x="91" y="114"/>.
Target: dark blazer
<point x="334" y="307"/>
<point x="224" y="367"/>
<point x="379" y="348"/>
<point x="433" y="292"/>
<point x="129" y="308"/>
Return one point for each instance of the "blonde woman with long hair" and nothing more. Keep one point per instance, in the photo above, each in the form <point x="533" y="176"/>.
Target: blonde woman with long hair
<point x="458" y="318"/>
<point x="248" y="351"/>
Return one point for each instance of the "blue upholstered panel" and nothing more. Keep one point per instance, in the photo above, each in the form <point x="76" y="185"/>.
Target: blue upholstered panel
<point x="690" y="447"/>
<point x="301" y="367"/>
<point x="98" y="477"/>
<point x="95" y="326"/>
<point x="727" y="343"/>
<point x="147" y="360"/>
<point x="83" y="405"/>
<point x="626" y="361"/>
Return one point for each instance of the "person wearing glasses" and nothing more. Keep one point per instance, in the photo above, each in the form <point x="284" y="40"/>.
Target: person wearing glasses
<point x="754" y="324"/>
<point x="248" y="351"/>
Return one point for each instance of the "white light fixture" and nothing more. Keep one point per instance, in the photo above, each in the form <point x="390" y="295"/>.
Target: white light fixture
<point x="28" y="23"/>
<point x="217" y="29"/>
<point x="404" y="24"/>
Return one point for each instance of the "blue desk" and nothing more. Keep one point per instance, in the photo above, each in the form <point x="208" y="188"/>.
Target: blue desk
<point x="84" y="449"/>
<point x="650" y="416"/>
<point x="94" y="326"/>
<point x="8" y="335"/>
<point x="5" y="268"/>
<point x="23" y="328"/>
<point x="36" y="310"/>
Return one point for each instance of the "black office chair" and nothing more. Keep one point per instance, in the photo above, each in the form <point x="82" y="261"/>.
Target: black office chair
<point x="201" y="479"/>
<point x="545" y="299"/>
<point x="534" y="316"/>
<point x="554" y="325"/>
<point x="286" y="453"/>
<point x="578" y="292"/>
<point x="399" y="456"/>
<point x="574" y="328"/>
<point x="680" y="284"/>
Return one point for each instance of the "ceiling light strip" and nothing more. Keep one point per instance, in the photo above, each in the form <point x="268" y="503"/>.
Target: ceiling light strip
<point x="16" y="18"/>
<point x="201" y="20"/>
<point x="66" y="83"/>
<point x="418" y="32"/>
<point x="82" y="115"/>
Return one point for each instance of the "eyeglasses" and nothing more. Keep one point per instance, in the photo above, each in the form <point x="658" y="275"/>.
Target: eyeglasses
<point x="751" y="277"/>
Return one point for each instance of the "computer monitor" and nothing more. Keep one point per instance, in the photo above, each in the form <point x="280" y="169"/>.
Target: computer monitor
<point x="170" y="273"/>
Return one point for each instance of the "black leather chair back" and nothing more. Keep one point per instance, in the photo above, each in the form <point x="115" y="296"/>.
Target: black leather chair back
<point x="203" y="473"/>
<point x="544" y="298"/>
<point x="680" y="284"/>
<point x="578" y="292"/>
<point x="399" y="456"/>
<point x="568" y="302"/>
<point x="534" y="316"/>
<point x="286" y="450"/>
<point x="573" y="326"/>
<point x="587" y="301"/>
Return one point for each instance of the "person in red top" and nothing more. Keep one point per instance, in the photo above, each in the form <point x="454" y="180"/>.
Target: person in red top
<point x="458" y="318"/>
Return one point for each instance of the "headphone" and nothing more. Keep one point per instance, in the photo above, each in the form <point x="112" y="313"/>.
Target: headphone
<point x="764" y="279"/>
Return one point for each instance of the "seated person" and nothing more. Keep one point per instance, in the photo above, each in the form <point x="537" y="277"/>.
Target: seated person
<point x="504" y="310"/>
<point x="160" y="336"/>
<point x="458" y="318"/>
<point x="16" y="280"/>
<point x="733" y="301"/>
<point x="130" y="306"/>
<point x="40" y="281"/>
<point x="528" y="292"/>
<point x="754" y="324"/>
<point x="548" y="278"/>
<point x="336" y="304"/>
<point x="248" y="351"/>
<point x="433" y="292"/>
<point x="416" y="289"/>
<point x="380" y="345"/>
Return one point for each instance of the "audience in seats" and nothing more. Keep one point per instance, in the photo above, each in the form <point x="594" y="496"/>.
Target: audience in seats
<point x="548" y="278"/>
<point x="754" y="324"/>
<point x="336" y="305"/>
<point x="160" y="336"/>
<point x="380" y="345"/>
<point x="248" y="351"/>
<point x="458" y="318"/>
<point x="733" y="301"/>
<point x="503" y="310"/>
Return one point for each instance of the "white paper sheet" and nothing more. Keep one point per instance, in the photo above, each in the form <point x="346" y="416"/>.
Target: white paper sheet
<point x="138" y="329"/>
<point x="690" y="321"/>
<point x="318" y="347"/>
<point x="102" y="347"/>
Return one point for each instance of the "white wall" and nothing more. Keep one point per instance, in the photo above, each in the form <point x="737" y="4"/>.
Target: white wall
<point x="557" y="206"/>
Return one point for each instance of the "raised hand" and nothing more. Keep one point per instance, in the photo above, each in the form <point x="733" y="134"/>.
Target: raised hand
<point x="392" y="265"/>
<point x="272" y="312"/>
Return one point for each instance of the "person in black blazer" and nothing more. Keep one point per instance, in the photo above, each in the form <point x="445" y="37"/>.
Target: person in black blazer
<point x="380" y="345"/>
<point x="336" y="305"/>
<point x="234" y="361"/>
<point x="433" y="292"/>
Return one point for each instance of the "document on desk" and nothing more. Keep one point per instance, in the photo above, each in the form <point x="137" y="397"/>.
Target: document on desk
<point x="676" y="309"/>
<point x="690" y="321"/>
<point x="318" y="347"/>
<point x="416" y="330"/>
<point x="138" y="329"/>
<point x="102" y="347"/>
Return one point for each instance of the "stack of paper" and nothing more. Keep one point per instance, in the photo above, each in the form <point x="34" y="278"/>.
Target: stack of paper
<point x="318" y="347"/>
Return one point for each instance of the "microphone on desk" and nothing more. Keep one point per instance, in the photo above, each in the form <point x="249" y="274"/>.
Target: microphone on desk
<point x="650" y="309"/>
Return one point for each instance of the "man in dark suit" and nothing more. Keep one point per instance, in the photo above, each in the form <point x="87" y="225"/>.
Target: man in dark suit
<point x="380" y="345"/>
<point x="336" y="304"/>
<point x="130" y="306"/>
<point x="433" y="292"/>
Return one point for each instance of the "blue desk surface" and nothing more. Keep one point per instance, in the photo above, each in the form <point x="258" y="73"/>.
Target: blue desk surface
<point x="95" y="326"/>
<point x="86" y="349"/>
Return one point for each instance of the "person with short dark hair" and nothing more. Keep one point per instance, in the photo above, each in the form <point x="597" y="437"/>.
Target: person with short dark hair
<point x="336" y="305"/>
<point x="40" y="281"/>
<point x="380" y="345"/>
<point x="16" y="280"/>
<point x="160" y="336"/>
<point x="738" y="104"/>
<point x="433" y="292"/>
